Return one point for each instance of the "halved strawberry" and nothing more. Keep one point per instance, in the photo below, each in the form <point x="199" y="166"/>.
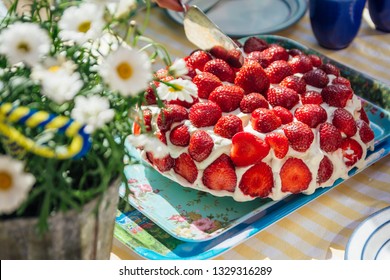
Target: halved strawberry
<point x="163" y="164"/>
<point x="227" y="126"/>
<point x="170" y="114"/>
<point x="221" y="69"/>
<point x="316" y="78"/>
<point x="248" y="149"/>
<point x="252" y="101"/>
<point x="278" y="142"/>
<point x="300" y="64"/>
<point x="337" y="95"/>
<point x="205" y="114"/>
<point x="365" y="131"/>
<point x="252" y="78"/>
<point x="185" y="167"/>
<point x="228" y="97"/>
<point x="311" y="97"/>
<point x="294" y="82"/>
<point x="180" y="136"/>
<point x="220" y="175"/>
<point x="344" y="121"/>
<point x="315" y="60"/>
<point x="265" y="120"/>
<point x="330" y="137"/>
<point x="206" y="83"/>
<point x="300" y="136"/>
<point x="311" y="114"/>
<point x="201" y="145"/>
<point x="330" y="69"/>
<point x="282" y="96"/>
<point x="352" y="151"/>
<point x="325" y="170"/>
<point x="295" y="176"/>
<point x="257" y="181"/>
<point x="277" y="71"/>
<point x="198" y="59"/>
<point x="285" y="115"/>
<point x="254" y="44"/>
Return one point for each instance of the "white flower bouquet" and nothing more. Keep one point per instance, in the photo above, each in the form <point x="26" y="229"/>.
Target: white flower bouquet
<point x="68" y="83"/>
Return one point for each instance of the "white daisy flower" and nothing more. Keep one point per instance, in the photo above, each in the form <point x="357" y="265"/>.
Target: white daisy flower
<point x="127" y="71"/>
<point x="178" y="68"/>
<point x="14" y="184"/>
<point x="58" y="78"/>
<point x="149" y="144"/>
<point x="82" y="23"/>
<point x="94" y="111"/>
<point x="180" y="89"/>
<point x="122" y="7"/>
<point x="24" y="42"/>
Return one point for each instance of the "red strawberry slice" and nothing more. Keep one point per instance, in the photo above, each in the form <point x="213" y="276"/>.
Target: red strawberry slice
<point x="285" y="115"/>
<point x="325" y="170"/>
<point x="315" y="60"/>
<point x="265" y="120"/>
<point x="221" y="69"/>
<point x="257" y="181"/>
<point x="252" y="78"/>
<point x="198" y="59"/>
<point x="279" y="143"/>
<point x="311" y="114"/>
<point x="277" y="71"/>
<point x="170" y="114"/>
<point x="185" y="167"/>
<point x="161" y="136"/>
<point x="259" y="57"/>
<point x="254" y="44"/>
<point x="300" y="64"/>
<point x="281" y="96"/>
<point x="330" y="69"/>
<point x="311" y="97"/>
<point x="330" y="137"/>
<point x="252" y="101"/>
<point x="201" y="145"/>
<point x="163" y="164"/>
<point x="275" y="52"/>
<point x="295" y="176"/>
<point x="344" y="121"/>
<point x="248" y="149"/>
<point x="180" y="136"/>
<point x="363" y="116"/>
<point x="295" y="83"/>
<point x="337" y="95"/>
<point x="300" y="136"/>
<point x="316" y="78"/>
<point x="365" y="131"/>
<point x="205" y="114"/>
<point x="220" y="175"/>
<point x="228" y="97"/>
<point x="352" y="151"/>
<point x="227" y="126"/>
<point x="206" y="83"/>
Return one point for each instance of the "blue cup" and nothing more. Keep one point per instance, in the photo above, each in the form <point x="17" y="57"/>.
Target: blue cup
<point x="380" y="14"/>
<point x="335" y="23"/>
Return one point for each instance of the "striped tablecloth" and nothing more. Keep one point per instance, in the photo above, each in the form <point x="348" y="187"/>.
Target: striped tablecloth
<point x="321" y="229"/>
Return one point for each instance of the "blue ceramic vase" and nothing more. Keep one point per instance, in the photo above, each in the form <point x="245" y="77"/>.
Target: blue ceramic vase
<point x="380" y="14"/>
<point x="335" y="23"/>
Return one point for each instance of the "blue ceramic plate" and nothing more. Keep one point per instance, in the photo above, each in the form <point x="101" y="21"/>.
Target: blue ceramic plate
<point x="239" y="18"/>
<point x="371" y="239"/>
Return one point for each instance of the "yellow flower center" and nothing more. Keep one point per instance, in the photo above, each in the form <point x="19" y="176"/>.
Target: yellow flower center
<point x="84" y="26"/>
<point x="54" y="68"/>
<point x="124" y="70"/>
<point x="5" y="181"/>
<point x="24" y="47"/>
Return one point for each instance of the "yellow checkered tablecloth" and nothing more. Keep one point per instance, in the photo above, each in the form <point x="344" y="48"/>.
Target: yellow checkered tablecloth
<point x="321" y="229"/>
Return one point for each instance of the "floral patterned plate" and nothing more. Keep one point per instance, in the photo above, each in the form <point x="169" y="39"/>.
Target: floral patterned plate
<point x="193" y="216"/>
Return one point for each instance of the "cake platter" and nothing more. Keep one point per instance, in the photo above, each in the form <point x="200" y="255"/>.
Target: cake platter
<point x="184" y="223"/>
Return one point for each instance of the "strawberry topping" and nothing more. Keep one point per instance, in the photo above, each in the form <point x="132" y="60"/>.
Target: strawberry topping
<point x="252" y="78"/>
<point x="325" y="170"/>
<point x="352" y="151"/>
<point x="185" y="167"/>
<point x="220" y="175"/>
<point x="279" y="143"/>
<point x="228" y="97"/>
<point x="227" y="126"/>
<point x="206" y="83"/>
<point x="248" y="149"/>
<point x="295" y="176"/>
<point x="344" y="121"/>
<point x="300" y="136"/>
<point x="257" y="181"/>
<point x="311" y="114"/>
<point x="221" y="69"/>
<point x="180" y="136"/>
<point x="265" y="120"/>
<point x="330" y="137"/>
<point x="205" y="114"/>
<point x="252" y="101"/>
<point x="201" y="145"/>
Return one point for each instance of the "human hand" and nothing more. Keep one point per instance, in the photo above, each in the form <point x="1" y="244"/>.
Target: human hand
<point x="170" y="4"/>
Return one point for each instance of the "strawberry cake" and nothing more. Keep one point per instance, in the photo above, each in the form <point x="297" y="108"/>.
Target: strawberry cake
<point x="280" y="122"/>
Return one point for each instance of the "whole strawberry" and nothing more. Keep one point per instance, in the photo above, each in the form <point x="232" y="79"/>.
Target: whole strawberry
<point x="281" y="96"/>
<point x="330" y="137"/>
<point x="227" y="126"/>
<point x="311" y="114"/>
<point x="277" y="71"/>
<point x="205" y="114"/>
<point x="252" y="101"/>
<point x="337" y="95"/>
<point x="201" y="145"/>
<point x="221" y="69"/>
<point x="180" y="136"/>
<point x="299" y="135"/>
<point x="294" y="82"/>
<point x="254" y="44"/>
<point x="316" y="78"/>
<point x="198" y="59"/>
<point x="170" y="114"/>
<point x="264" y="120"/>
<point x="228" y="97"/>
<point x="344" y="121"/>
<point x="252" y="78"/>
<point x="300" y="64"/>
<point x="206" y="83"/>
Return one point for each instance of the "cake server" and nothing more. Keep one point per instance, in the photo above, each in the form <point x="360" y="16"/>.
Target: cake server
<point x="202" y="32"/>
